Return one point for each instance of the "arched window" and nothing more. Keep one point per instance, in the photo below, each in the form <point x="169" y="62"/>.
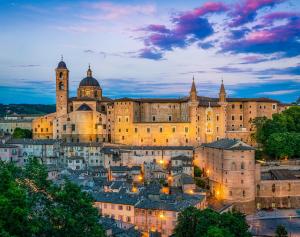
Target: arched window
<point x="61" y="86"/>
<point x="242" y="166"/>
<point x="244" y="193"/>
<point x="61" y="75"/>
<point x="233" y="166"/>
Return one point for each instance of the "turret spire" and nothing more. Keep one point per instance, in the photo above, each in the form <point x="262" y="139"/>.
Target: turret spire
<point x="222" y="93"/>
<point x="89" y="72"/>
<point x="193" y="88"/>
<point x="193" y="92"/>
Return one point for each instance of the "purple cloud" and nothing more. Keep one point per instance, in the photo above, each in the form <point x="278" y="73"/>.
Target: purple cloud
<point x="238" y="34"/>
<point x="150" y="53"/>
<point x="270" y="18"/>
<point x="257" y="59"/>
<point x="246" y="11"/>
<point x="188" y="27"/>
<point x="157" y="28"/>
<point x="278" y="39"/>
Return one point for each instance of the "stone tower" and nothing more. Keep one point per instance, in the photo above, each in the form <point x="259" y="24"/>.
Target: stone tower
<point x="193" y="112"/>
<point x="62" y="89"/>
<point x="223" y="114"/>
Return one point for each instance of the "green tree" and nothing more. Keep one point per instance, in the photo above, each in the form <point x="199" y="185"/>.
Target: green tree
<point x="22" y="133"/>
<point x="193" y="222"/>
<point x="32" y="206"/>
<point x="71" y="213"/>
<point x="279" y="136"/>
<point x="218" y="232"/>
<point x="197" y="171"/>
<point x="281" y="231"/>
<point x="281" y="145"/>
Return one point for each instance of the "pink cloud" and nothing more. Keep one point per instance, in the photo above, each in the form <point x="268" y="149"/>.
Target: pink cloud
<point x="113" y="11"/>
<point x="270" y="18"/>
<point x="188" y="27"/>
<point x="246" y="11"/>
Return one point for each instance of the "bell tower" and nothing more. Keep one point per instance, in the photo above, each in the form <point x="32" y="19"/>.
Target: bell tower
<point x="62" y="88"/>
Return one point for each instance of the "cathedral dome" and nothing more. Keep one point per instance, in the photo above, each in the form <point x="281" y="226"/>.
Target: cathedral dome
<point x="89" y="80"/>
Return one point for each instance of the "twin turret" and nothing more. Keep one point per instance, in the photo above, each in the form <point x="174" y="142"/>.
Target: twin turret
<point x="194" y="96"/>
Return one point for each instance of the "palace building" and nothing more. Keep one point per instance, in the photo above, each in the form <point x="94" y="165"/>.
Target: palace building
<point x="191" y="120"/>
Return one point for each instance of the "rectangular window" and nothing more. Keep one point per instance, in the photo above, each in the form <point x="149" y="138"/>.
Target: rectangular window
<point x="232" y="117"/>
<point x="153" y="118"/>
<point x="241" y="106"/>
<point x="241" y="117"/>
<point x="148" y="130"/>
<point x="135" y="130"/>
<point x="186" y="129"/>
<point x="160" y="130"/>
<point x="170" y="118"/>
<point x="174" y="129"/>
<point x="73" y="127"/>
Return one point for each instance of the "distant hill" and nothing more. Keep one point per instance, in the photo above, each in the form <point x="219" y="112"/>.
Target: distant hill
<point x="25" y="109"/>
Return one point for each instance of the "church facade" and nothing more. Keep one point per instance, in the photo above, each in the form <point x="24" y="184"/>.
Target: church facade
<point x="191" y="120"/>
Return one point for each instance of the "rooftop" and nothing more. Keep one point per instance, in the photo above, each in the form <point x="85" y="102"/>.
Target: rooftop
<point x="280" y="174"/>
<point x="228" y="144"/>
<point x="33" y="141"/>
<point x="116" y="198"/>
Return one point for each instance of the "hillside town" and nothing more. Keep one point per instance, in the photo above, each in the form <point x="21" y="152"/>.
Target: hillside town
<point x="145" y="161"/>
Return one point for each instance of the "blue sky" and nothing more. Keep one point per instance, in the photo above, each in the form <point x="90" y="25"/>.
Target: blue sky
<point x="151" y="48"/>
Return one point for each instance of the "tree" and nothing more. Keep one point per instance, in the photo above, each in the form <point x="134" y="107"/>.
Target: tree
<point x="22" y="133"/>
<point x="281" y="145"/>
<point x="193" y="222"/>
<point x="32" y="206"/>
<point x="281" y="231"/>
<point x="197" y="171"/>
<point x="279" y="136"/>
<point x="218" y="232"/>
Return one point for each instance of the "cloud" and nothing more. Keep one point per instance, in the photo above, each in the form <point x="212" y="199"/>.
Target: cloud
<point x="254" y="59"/>
<point x="278" y="92"/>
<point x="90" y="51"/>
<point x="227" y="69"/>
<point x="282" y="39"/>
<point x="150" y="53"/>
<point x="270" y="18"/>
<point x="27" y="65"/>
<point x="246" y="10"/>
<point x="281" y="71"/>
<point x="112" y="11"/>
<point x="206" y="45"/>
<point x="188" y="27"/>
<point x="238" y="34"/>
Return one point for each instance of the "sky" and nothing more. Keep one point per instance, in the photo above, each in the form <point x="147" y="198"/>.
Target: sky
<point x="151" y="49"/>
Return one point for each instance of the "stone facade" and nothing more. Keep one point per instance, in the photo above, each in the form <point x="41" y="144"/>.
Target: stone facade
<point x="278" y="188"/>
<point x="191" y="120"/>
<point x="230" y="167"/>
